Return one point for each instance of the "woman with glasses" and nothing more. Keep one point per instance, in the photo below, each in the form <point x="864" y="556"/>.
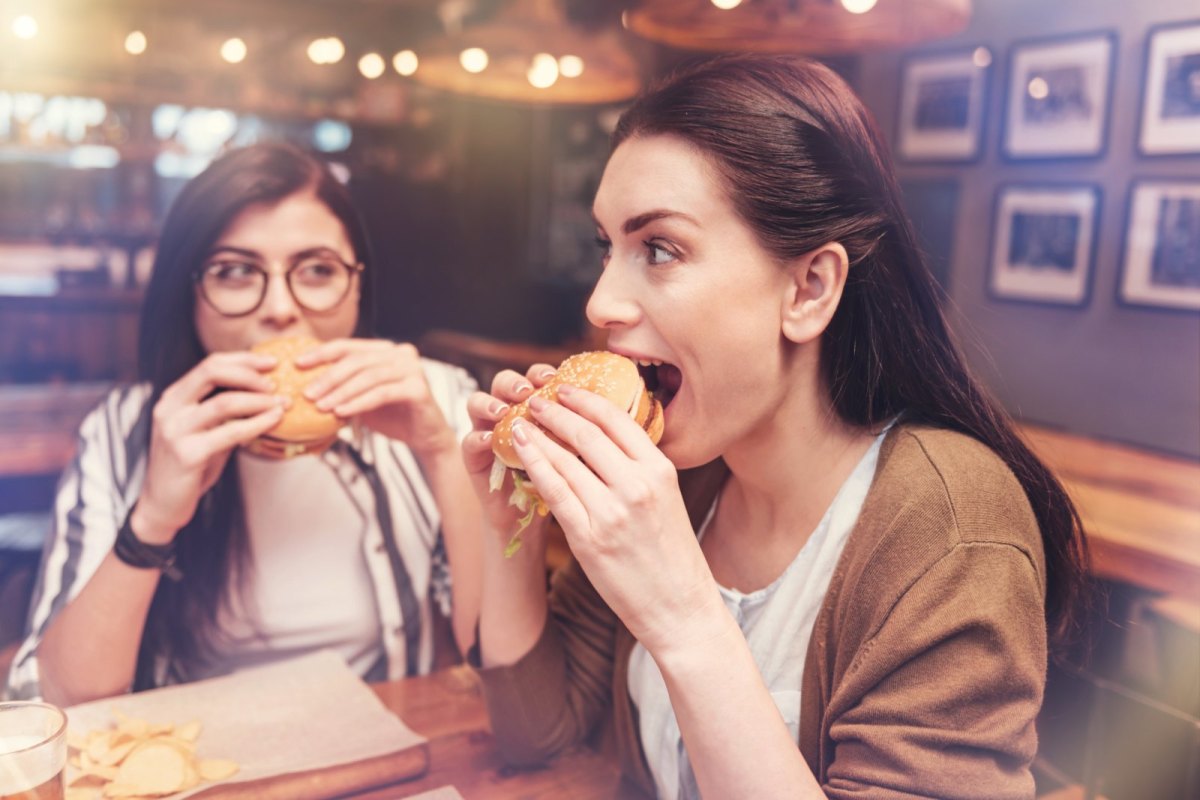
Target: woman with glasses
<point x="176" y="555"/>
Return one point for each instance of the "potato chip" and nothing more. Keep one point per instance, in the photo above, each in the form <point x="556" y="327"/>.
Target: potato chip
<point x="139" y="760"/>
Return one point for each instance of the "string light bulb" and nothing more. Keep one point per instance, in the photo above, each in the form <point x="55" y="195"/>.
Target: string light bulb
<point x="473" y="59"/>
<point x="371" y="66"/>
<point x="234" y="50"/>
<point x="543" y="71"/>
<point x="405" y="62"/>
<point x="858" y="6"/>
<point x="135" y="43"/>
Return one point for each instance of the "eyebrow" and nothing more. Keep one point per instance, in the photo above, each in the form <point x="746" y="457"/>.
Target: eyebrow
<point x="241" y="251"/>
<point x="634" y="224"/>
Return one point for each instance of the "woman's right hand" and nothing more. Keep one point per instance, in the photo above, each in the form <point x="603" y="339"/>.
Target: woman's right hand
<point x="485" y="410"/>
<point x="193" y="433"/>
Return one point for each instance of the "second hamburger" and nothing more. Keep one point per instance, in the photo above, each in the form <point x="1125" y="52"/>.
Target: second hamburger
<point x="304" y="428"/>
<point x="613" y="377"/>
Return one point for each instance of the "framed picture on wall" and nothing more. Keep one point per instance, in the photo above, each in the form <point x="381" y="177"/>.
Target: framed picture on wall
<point x="1058" y="97"/>
<point x="1161" y="265"/>
<point x="1044" y="243"/>
<point x="943" y="100"/>
<point x="1171" y="91"/>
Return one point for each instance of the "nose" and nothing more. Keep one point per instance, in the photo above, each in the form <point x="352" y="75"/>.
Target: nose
<point x="279" y="308"/>
<point x="612" y="304"/>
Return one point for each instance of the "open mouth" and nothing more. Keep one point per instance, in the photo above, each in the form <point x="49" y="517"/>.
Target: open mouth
<point x="662" y="379"/>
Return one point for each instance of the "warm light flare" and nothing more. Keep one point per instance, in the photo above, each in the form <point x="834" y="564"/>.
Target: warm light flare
<point x="982" y="57"/>
<point x="135" y="43"/>
<point x="371" y="66"/>
<point x="1038" y="89"/>
<point x="725" y="5"/>
<point x="25" y="27"/>
<point x="543" y="71"/>
<point x="328" y="50"/>
<point x="570" y="66"/>
<point x="234" y="50"/>
<point x="405" y="62"/>
<point x="858" y="6"/>
<point x="473" y="59"/>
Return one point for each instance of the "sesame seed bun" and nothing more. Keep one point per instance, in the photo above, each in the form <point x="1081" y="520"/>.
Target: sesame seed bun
<point x="607" y="374"/>
<point x="304" y="427"/>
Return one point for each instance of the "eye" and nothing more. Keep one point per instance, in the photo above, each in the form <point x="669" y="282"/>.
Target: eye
<point x="232" y="272"/>
<point x="658" y="254"/>
<point x="316" y="271"/>
<point x="605" y="248"/>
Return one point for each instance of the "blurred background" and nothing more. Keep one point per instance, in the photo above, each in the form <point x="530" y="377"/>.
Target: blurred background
<point x="1049" y="154"/>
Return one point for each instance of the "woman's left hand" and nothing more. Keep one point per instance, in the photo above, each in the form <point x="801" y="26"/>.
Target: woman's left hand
<point x="624" y="517"/>
<point x="382" y="383"/>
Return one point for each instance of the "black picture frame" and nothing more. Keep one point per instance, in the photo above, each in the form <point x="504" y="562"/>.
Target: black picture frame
<point x="1058" y="98"/>
<point x="1160" y="255"/>
<point x="1169" y="118"/>
<point x="943" y="105"/>
<point x="1044" y="239"/>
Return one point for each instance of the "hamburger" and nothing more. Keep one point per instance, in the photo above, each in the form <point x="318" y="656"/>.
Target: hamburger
<point x="613" y="377"/>
<point x="304" y="428"/>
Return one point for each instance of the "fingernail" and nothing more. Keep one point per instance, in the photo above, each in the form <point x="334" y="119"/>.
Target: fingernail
<point x="547" y="373"/>
<point x="566" y="389"/>
<point x="538" y="403"/>
<point x="523" y="387"/>
<point x="519" y="433"/>
<point x="283" y="401"/>
<point x="487" y="436"/>
<point x="497" y="409"/>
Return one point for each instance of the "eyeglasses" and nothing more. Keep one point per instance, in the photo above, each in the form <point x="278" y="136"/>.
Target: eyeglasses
<point x="235" y="288"/>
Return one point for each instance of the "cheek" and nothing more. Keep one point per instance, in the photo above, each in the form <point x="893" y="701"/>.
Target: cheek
<point x="337" y="325"/>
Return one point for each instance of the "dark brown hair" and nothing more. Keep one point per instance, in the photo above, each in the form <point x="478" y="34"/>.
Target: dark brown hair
<point x="211" y="549"/>
<point x="804" y="165"/>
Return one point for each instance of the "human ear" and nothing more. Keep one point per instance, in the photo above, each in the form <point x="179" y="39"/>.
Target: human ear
<point x="812" y="294"/>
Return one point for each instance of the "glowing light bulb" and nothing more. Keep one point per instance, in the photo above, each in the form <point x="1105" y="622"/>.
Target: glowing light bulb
<point x="858" y="6"/>
<point x="334" y="50"/>
<point x="570" y="66"/>
<point x="371" y="66"/>
<point x="135" y="43"/>
<point x="234" y="50"/>
<point x="405" y="62"/>
<point x="725" y="5"/>
<point x="1038" y="89"/>
<point x="473" y="59"/>
<point x="543" y="71"/>
<point x="982" y="57"/>
<point x="25" y="27"/>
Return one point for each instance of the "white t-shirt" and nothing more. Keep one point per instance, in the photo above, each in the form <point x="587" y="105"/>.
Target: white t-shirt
<point x="777" y="622"/>
<point x="310" y="587"/>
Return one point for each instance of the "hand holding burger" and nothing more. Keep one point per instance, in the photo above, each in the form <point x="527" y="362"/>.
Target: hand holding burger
<point x="613" y="377"/>
<point x="304" y="428"/>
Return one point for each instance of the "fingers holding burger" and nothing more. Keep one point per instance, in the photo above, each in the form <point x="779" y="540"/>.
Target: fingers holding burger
<point x="609" y="375"/>
<point x="304" y="428"/>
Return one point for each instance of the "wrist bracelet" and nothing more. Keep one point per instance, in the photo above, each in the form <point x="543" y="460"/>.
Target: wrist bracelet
<point x="138" y="554"/>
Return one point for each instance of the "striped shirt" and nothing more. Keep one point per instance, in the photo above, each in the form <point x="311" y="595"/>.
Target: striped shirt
<point x="403" y="547"/>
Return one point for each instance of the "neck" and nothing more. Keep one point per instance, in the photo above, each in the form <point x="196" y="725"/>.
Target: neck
<point x="785" y="475"/>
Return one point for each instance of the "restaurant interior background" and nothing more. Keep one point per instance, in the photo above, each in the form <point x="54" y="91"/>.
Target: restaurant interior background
<point x="1015" y="123"/>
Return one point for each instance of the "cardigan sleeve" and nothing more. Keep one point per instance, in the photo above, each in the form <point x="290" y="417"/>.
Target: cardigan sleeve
<point x="942" y="699"/>
<point x="555" y="696"/>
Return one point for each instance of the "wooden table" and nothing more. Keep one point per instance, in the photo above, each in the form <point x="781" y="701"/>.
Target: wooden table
<point x="39" y="424"/>
<point x="448" y="708"/>
<point x="1141" y="510"/>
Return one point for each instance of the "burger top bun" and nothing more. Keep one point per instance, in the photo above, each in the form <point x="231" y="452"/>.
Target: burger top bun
<point x="607" y="374"/>
<point x="304" y="428"/>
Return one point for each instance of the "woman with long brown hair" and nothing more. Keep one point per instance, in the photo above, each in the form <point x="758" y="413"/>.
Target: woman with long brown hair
<point x="839" y="573"/>
<point x="178" y="554"/>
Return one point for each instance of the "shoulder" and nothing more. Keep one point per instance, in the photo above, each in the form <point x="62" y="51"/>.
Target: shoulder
<point x="930" y="478"/>
<point x="937" y="495"/>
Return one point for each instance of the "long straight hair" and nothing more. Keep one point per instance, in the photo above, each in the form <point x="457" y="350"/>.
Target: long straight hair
<point x="212" y="551"/>
<point x="804" y="164"/>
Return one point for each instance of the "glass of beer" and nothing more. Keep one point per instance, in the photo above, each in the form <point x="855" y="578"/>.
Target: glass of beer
<point x="33" y="751"/>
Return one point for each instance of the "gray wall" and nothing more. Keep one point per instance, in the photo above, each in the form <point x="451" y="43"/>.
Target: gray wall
<point x="1121" y="373"/>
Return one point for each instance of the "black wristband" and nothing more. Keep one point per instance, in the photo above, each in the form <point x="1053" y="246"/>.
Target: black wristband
<point x="138" y="554"/>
